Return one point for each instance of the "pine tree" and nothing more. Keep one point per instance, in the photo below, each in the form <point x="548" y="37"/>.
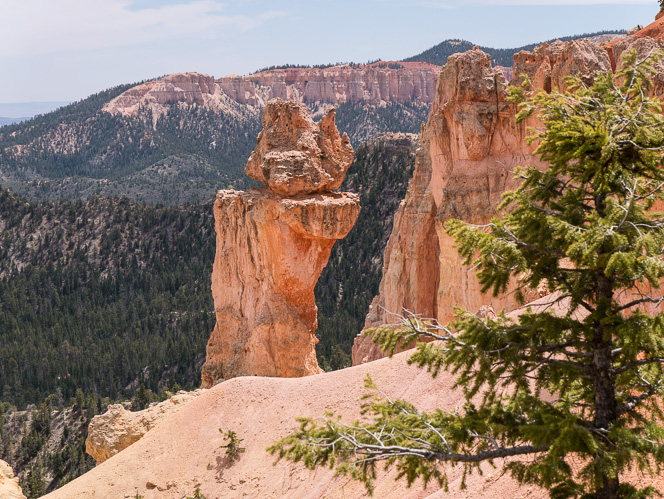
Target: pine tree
<point x="578" y="381"/>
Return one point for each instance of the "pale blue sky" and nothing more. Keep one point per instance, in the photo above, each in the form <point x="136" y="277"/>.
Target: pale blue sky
<point x="64" y="50"/>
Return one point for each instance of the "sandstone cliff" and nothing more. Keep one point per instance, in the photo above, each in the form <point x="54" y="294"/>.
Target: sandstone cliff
<point x="381" y="82"/>
<point x="9" y="488"/>
<point x="272" y="245"/>
<point x="186" y="88"/>
<point x="468" y="151"/>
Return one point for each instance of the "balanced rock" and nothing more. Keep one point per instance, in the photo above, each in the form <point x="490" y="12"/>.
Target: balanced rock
<point x="294" y="155"/>
<point x="9" y="487"/>
<point x="272" y="245"/>
<point x="118" y="428"/>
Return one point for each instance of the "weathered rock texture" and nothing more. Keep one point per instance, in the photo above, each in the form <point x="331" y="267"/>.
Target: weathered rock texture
<point x="644" y="41"/>
<point x="404" y="82"/>
<point x="187" y="88"/>
<point x="271" y="249"/>
<point x="9" y="488"/>
<point x="547" y="65"/>
<point x="468" y="151"/>
<point x="118" y="428"/>
<point x="294" y="155"/>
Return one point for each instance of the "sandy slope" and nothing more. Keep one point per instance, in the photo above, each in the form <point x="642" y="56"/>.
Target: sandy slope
<point x="183" y="451"/>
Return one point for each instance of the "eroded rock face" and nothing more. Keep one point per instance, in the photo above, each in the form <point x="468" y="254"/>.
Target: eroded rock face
<point x="403" y="82"/>
<point x="270" y="253"/>
<point x="9" y="487"/>
<point x="118" y="428"/>
<point x="547" y="65"/>
<point x="643" y="47"/>
<point x="381" y="82"/>
<point x="468" y="151"/>
<point x="294" y="155"/>
<point x="187" y="88"/>
<point x="272" y="245"/>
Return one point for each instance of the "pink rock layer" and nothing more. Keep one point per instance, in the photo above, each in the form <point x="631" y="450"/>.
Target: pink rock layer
<point x="270" y="253"/>
<point x="403" y="82"/>
<point x="184" y="450"/>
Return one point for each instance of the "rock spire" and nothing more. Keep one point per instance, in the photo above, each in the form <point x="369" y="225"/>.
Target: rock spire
<point x="273" y="243"/>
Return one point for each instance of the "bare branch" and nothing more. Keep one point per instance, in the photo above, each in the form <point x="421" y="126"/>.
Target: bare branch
<point x="637" y="363"/>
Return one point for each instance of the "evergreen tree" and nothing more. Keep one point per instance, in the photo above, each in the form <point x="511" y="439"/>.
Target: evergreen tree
<point x="584" y="228"/>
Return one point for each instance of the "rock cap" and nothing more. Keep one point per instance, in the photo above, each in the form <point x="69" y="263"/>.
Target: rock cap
<point x="294" y="155"/>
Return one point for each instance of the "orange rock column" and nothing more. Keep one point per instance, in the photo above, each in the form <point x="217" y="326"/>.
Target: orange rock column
<point x="272" y="245"/>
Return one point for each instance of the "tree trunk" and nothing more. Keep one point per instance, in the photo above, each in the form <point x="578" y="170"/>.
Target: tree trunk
<point x="604" y="382"/>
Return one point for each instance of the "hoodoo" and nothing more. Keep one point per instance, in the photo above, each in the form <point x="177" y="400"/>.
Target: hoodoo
<point x="273" y="243"/>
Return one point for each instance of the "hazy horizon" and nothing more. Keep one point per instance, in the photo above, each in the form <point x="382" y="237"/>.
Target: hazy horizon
<point x="65" y="50"/>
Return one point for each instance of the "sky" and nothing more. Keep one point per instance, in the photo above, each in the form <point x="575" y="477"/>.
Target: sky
<point x="65" y="50"/>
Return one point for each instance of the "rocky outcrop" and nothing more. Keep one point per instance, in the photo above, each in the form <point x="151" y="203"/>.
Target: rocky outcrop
<point x="381" y="82"/>
<point x="547" y="65"/>
<point x="9" y="487"/>
<point x="468" y="151"/>
<point x="645" y="41"/>
<point x="271" y="249"/>
<point x="118" y="428"/>
<point x="294" y="155"/>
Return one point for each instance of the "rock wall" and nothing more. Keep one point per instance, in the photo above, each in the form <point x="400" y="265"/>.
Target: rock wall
<point x="468" y="151"/>
<point x="547" y="65"/>
<point x="404" y="82"/>
<point x="186" y="88"/>
<point x="272" y="245"/>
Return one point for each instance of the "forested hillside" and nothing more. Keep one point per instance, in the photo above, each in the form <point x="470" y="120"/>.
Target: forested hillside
<point x="80" y="151"/>
<point x="184" y="155"/>
<point x="101" y="296"/>
<point x="45" y="445"/>
<point x="107" y="294"/>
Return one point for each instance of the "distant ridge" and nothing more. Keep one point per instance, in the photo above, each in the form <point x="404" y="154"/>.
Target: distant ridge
<point x="19" y="111"/>
<point x="438" y="54"/>
<point x="11" y="121"/>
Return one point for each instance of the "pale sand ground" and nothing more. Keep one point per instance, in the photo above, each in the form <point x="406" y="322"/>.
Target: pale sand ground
<point x="183" y="452"/>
